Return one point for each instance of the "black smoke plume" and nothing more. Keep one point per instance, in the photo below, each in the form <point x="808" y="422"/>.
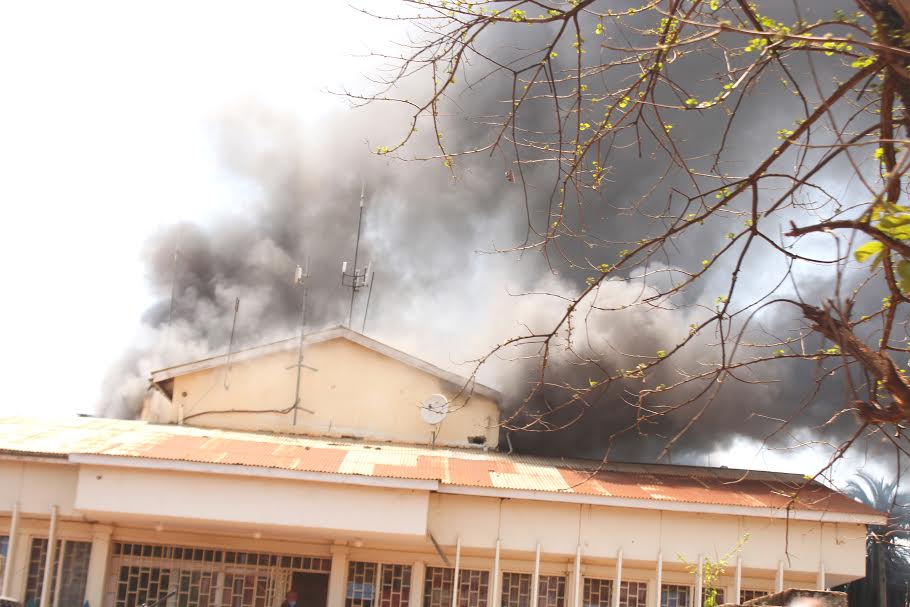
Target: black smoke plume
<point x="439" y="291"/>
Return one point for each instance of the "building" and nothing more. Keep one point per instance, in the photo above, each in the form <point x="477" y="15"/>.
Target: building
<point x="226" y="494"/>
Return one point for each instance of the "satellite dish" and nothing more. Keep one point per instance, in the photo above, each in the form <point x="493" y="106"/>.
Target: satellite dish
<point x="434" y="408"/>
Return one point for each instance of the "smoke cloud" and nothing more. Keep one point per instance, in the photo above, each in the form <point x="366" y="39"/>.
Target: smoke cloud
<point x="439" y="291"/>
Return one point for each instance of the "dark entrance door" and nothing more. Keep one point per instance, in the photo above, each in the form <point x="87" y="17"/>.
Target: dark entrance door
<point x="312" y="588"/>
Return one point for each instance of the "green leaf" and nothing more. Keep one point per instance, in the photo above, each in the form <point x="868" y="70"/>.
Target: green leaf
<point x="893" y="221"/>
<point x="898" y="233"/>
<point x="903" y="272"/>
<point x="869" y="249"/>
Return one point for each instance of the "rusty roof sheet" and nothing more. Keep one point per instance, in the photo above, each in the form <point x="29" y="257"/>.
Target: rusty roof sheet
<point x="453" y="467"/>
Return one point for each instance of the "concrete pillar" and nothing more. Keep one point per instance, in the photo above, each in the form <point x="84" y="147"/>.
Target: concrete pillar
<point x="10" y="552"/>
<point x="46" y="589"/>
<point x="738" y="584"/>
<point x="699" y="579"/>
<point x="456" y="572"/>
<point x="659" y="581"/>
<point x="18" y="561"/>
<point x="337" y="576"/>
<point x="535" y="578"/>
<point x="821" y="582"/>
<point x="779" y="579"/>
<point x="97" y="565"/>
<point x="59" y="578"/>
<point x="617" y="581"/>
<point x="577" y="585"/>
<point x="418" y="577"/>
<point x="496" y="585"/>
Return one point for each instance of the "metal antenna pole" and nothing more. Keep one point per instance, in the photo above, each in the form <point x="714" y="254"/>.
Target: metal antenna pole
<point x="357" y="278"/>
<point x="366" y="309"/>
<point x="300" y="279"/>
<point x="170" y="314"/>
<point x="227" y="371"/>
<point x="356" y="251"/>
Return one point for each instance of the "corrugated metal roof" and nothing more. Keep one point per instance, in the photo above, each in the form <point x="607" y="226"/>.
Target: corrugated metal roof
<point x="454" y="467"/>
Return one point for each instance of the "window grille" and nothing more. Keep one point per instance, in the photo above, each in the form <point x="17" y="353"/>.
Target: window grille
<point x="748" y="595"/>
<point x="473" y="587"/>
<point x="599" y="593"/>
<point x="378" y="585"/>
<point x="516" y="590"/>
<point x="674" y="595"/>
<point x="74" y="571"/>
<point x="718" y="599"/>
<point x="4" y="553"/>
<point x="187" y="576"/>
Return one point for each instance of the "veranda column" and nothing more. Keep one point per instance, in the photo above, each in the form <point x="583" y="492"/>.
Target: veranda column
<point x="659" y="582"/>
<point x="97" y="565"/>
<point x="337" y="574"/>
<point x="738" y="585"/>
<point x="578" y="587"/>
<point x="58" y="579"/>
<point x="618" y="580"/>
<point x="418" y="577"/>
<point x="10" y="552"/>
<point x="495" y="586"/>
<point x="456" y="572"/>
<point x="46" y="589"/>
<point x="19" y="560"/>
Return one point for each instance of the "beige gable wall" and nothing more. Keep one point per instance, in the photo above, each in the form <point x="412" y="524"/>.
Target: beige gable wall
<point x="353" y="391"/>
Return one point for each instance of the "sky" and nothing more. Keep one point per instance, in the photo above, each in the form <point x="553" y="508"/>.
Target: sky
<point x="106" y="120"/>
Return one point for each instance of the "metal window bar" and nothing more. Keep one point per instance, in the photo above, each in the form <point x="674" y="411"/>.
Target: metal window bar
<point x="749" y="594"/>
<point x="191" y="576"/>
<point x="718" y="600"/>
<point x="377" y="585"/>
<point x="473" y="587"/>
<point x="675" y="595"/>
<point x="4" y="554"/>
<point x="599" y="593"/>
<point x="70" y="578"/>
<point x="516" y="590"/>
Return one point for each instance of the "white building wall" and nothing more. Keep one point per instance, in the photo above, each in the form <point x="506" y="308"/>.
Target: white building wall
<point x="381" y="524"/>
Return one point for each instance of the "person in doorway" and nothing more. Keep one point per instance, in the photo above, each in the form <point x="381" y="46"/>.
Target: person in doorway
<point x="290" y="599"/>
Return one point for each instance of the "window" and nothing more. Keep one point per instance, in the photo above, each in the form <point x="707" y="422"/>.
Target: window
<point x="186" y="576"/>
<point x="246" y="590"/>
<point x="516" y="590"/>
<point x="138" y="585"/>
<point x="378" y="585"/>
<point x="672" y="595"/>
<point x="748" y="595"/>
<point x="718" y="598"/>
<point x="473" y="587"/>
<point x="4" y="552"/>
<point x="599" y="593"/>
<point x="73" y="572"/>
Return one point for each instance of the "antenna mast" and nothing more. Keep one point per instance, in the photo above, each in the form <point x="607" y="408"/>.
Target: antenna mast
<point x="227" y="370"/>
<point x="357" y="278"/>
<point x="300" y="278"/>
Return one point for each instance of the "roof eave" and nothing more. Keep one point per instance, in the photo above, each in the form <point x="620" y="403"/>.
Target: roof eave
<point x="824" y="516"/>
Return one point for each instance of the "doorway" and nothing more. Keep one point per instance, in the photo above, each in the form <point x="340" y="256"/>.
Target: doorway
<point x="312" y="588"/>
